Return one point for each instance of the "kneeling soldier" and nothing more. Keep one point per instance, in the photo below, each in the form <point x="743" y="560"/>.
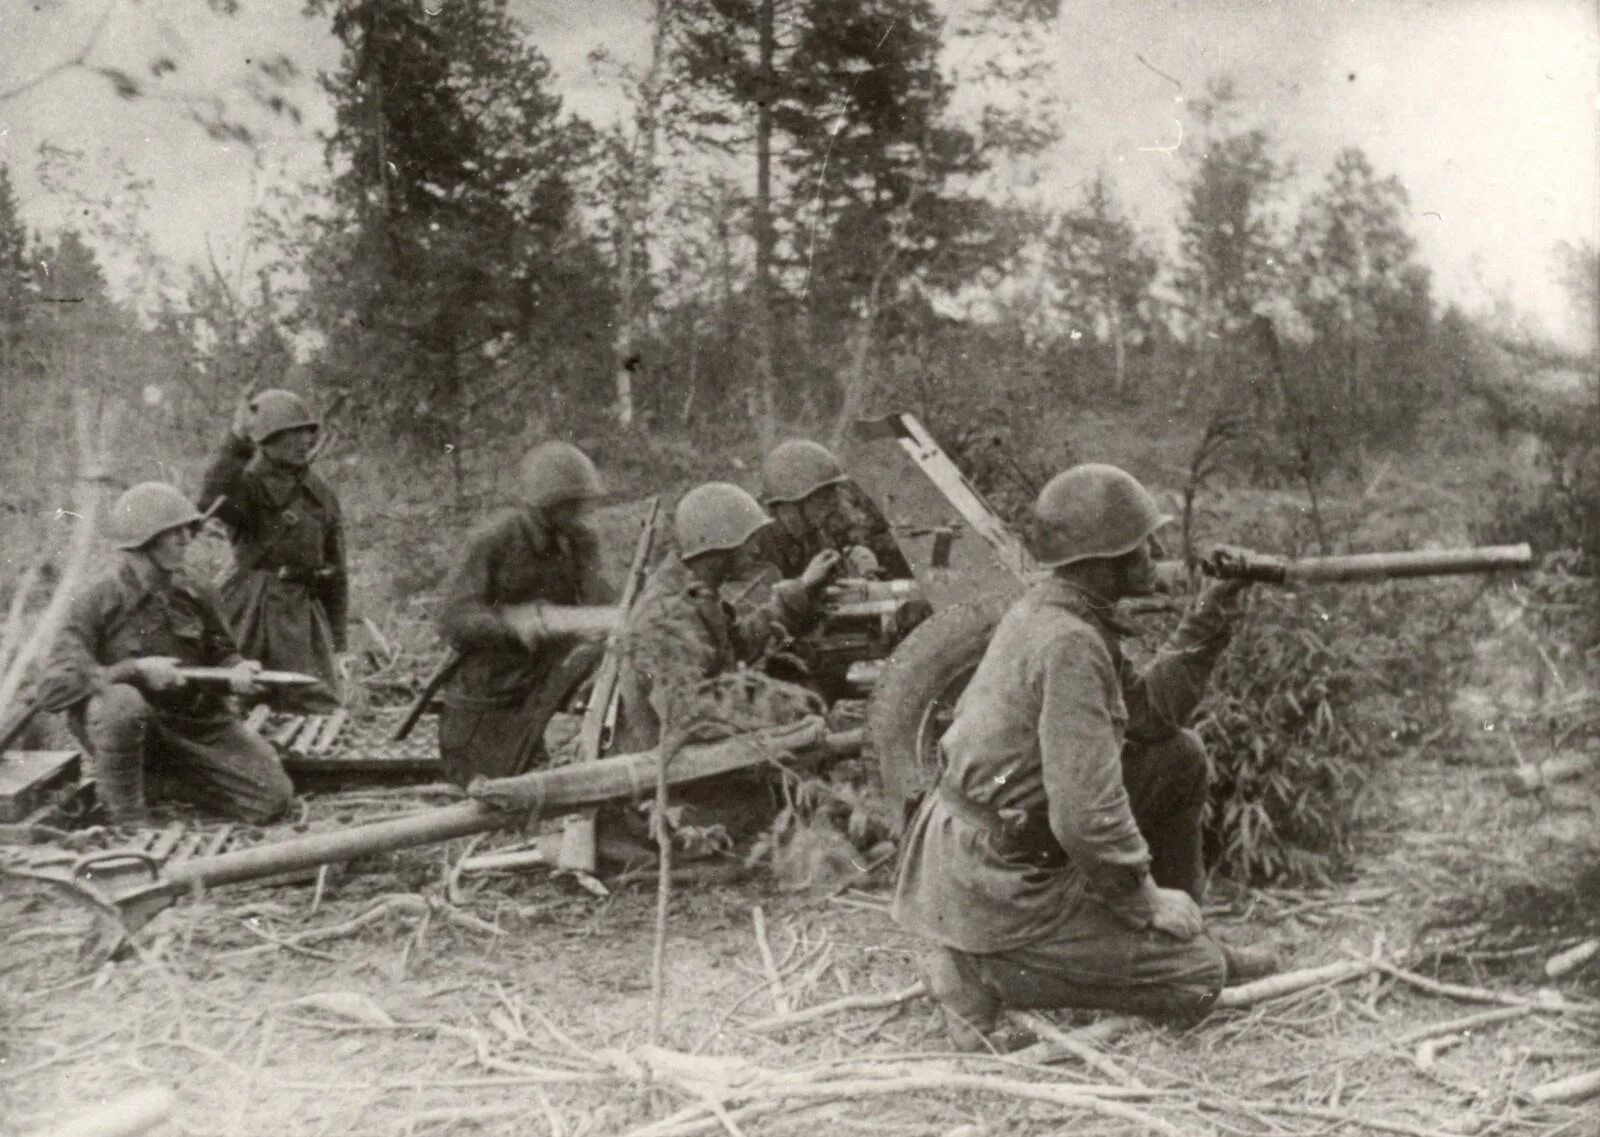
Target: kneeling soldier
<point x="1057" y="863"/>
<point x="505" y="690"/>
<point x="680" y="621"/>
<point x="114" y="670"/>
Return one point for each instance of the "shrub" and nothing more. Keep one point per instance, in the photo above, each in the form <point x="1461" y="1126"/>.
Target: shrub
<point x="1316" y="691"/>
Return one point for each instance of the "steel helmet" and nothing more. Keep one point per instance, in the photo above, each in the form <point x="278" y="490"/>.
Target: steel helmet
<point x="715" y="517"/>
<point x="148" y="510"/>
<point x="1093" y="510"/>
<point x="554" y="472"/>
<point x="798" y="468"/>
<point x="275" y="411"/>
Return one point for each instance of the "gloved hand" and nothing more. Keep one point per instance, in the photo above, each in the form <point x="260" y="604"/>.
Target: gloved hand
<point x="822" y="568"/>
<point x="158" y="673"/>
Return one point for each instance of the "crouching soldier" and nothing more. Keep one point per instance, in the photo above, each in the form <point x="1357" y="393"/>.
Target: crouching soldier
<point x="114" y="671"/>
<point x="816" y="507"/>
<point x="681" y="631"/>
<point x="505" y="689"/>
<point x="288" y="595"/>
<point x="1057" y="863"/>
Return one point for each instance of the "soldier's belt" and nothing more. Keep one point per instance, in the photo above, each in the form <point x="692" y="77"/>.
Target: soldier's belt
<point x="1024" y="837"/>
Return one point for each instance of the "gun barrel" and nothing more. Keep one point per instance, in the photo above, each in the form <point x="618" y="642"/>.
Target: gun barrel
<point x="537" y="620"/>
<point x="548" y="792"/>
<point x="1406" y="564"/>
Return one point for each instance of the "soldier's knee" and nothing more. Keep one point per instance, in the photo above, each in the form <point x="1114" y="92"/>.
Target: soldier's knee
<point x="1184" y="758"/>
<point x="270" y="797"/>
<point x="116" y="715"/>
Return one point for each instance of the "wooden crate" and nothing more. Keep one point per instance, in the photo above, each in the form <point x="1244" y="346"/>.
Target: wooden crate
<point x="28" y="778"/>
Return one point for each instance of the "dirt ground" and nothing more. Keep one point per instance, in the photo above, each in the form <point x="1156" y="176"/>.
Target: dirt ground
<point x="527" y="1006"/>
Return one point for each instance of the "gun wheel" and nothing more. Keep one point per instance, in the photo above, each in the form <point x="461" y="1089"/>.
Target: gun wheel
<point x="915" y="697"/>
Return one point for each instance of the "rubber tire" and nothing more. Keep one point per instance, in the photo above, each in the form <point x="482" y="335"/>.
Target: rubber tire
<point x="926" y="673"/>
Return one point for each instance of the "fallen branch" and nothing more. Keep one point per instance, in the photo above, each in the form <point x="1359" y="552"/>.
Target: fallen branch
<point x="1047" y="1031"/>
<point x="838" y="1006"/>
<point x="1045" y="1052"/>
<point x="1290" y="982"/>
<point x="137" y="1111"/>
<point x="1483" y="994"/>
<point x="410" y="905"/>
<point x="780" y="1001"/>
<point x="1337" y="1116"/>
<point x="1571" y="959"/>
<point x="1463" y="1025"/>
<point x="1576" y="1087"/>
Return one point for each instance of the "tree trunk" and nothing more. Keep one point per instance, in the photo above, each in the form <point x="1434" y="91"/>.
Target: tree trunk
<point x="1119" y="375"/>
<point x="632" y="219"/>
<point x="766" y="427"/>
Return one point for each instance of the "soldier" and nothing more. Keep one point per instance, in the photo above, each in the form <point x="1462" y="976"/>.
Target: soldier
<point x="288" y="595"/>
<point x="1058" y="860"/>
<point x="817" y="507"/>
<point x="505" y="690"/>
<point x="680" y="622"/>
<point x="114" y="671"/>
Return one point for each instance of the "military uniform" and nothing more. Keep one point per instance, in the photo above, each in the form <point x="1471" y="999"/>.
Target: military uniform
<point x="1068" y="779"/>
<point x="503" y="694"/>
<point x="287" y="598"/>
<point x="849" y="524"/>
<point x="188" y="735"/>
<point x="680" y="625"/>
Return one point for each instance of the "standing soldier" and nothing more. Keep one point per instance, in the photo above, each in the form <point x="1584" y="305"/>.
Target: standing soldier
<point x="114" y="671"/>
<point x="287" y="598"/>
<point x="817" y="507"/>
<point x="505" y="689"/>
<point x="1058" y="860"/>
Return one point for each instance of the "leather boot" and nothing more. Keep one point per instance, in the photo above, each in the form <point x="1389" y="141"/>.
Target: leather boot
<point x="1247" y="962"/>
<point x="970" y="1011"/>
<point x="119" y="782"/>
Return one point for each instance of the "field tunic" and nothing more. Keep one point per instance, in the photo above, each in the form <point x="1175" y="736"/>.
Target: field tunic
<point x="189" y="735"/>
<point x="1031" y="820"/>
<point x="678" y="623"/>
<point x="501" y="697"/>
<point x="287" y="598"/>
<point x="856" y="523"/>
<point x="135" y="611"/>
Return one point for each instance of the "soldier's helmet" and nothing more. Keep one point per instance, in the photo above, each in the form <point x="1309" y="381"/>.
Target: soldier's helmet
<point x="796" y="469"/>
<point x="553" y="472"/>
<point x="275" y="411"/>
<point x="714" y="517"/>
<point x="1093" y="510"/>
<point x="146" y="511"/>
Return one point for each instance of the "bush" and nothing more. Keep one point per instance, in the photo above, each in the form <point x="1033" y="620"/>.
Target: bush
<point x="1315" y="693"/>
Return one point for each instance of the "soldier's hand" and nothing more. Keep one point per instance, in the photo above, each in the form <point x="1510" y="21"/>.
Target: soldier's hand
<point x="1174" y="912"/>
<point x="243" y="679"/>
<point x="159" y="673"/>
<point x="1225" y="596"/>
<point x="822" y="568"/>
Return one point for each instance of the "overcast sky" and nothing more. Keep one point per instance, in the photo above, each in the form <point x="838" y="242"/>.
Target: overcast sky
<point x="1485" y="109"/>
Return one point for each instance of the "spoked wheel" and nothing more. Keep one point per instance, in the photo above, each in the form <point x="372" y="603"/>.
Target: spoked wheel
<point x="914" y="700"/>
